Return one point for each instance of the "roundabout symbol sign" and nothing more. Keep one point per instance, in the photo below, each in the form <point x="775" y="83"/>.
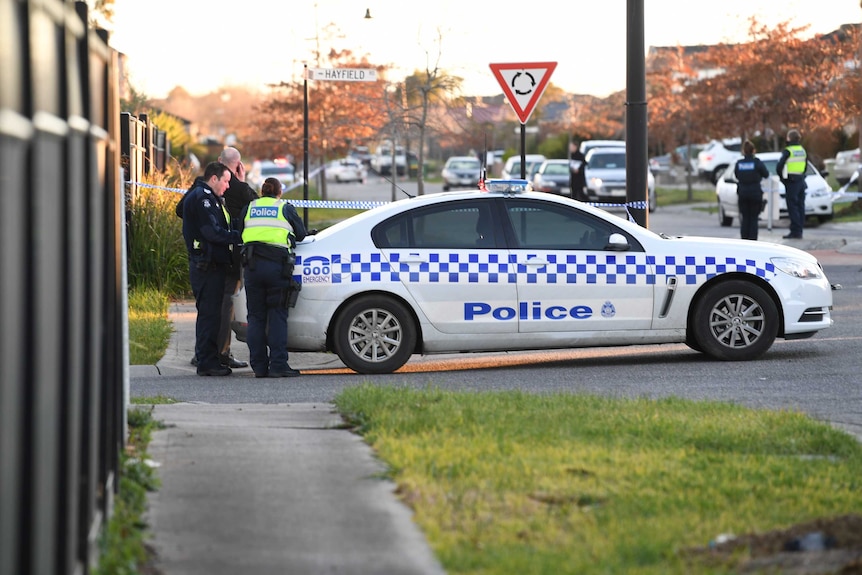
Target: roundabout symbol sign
<point x="523" y="84"/>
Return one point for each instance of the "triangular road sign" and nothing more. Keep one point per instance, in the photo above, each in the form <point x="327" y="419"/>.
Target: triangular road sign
<point x="523" y="84"/>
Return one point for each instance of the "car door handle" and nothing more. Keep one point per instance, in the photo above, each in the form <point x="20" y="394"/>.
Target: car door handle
<point x="413" y="259"/>
<point x="537" y="262"/>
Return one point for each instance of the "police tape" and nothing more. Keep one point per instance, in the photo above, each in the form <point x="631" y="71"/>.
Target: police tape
<point x="368" y="205"/>
<point x="337" y="204"/>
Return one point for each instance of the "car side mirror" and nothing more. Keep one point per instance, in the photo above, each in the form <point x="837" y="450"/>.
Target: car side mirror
<point x="617" y="243"/>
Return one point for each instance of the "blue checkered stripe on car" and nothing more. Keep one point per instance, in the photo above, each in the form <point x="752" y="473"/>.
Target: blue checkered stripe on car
<point x="563" y="269"/>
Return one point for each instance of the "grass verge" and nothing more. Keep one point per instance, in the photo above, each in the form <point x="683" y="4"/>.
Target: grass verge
<point x="519" y="483"/>
<point x="149" y="327"/>
<point x="123" y="549"/>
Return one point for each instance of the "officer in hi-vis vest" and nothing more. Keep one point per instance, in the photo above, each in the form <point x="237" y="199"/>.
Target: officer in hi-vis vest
<point x="791" y="170"/>
<point x="271" y="228"/>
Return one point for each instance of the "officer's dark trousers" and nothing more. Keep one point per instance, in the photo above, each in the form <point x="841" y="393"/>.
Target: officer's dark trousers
<point x="208" y="289"/>
<point x="794" y="195"/>
<point x="267" y="315"/>
<point x="750" y="206"/>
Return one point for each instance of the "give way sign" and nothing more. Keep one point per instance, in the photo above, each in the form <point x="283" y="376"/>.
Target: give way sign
<point x="523" y="84"/>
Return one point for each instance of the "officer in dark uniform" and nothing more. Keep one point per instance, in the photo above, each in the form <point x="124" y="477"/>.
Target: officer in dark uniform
<point x="577" y="171"/>
<point x="208" y="238"/>
<point x="749" y="172"/>
<point x="791" y="169"/>
<point x="271" y="228"/>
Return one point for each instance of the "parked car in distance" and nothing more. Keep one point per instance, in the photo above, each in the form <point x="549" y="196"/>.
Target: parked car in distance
<point x="507" y="268"/>
<point x="716" y="157"/>
<point x="361" y="153"/>
<point x="553" y="177"/>
<point x="588" y="145"/>
<point x="606" y="177"/>
<point x="461" y="172"/>
<point x="512" y="167"/>
<point x="818" y="196"/>
<point x="278" y="168"/>
<point x="381" y="161"/>
<point x="346" y="170"/>
<point x="667" y="163"/>
<point x="846" y="163"/>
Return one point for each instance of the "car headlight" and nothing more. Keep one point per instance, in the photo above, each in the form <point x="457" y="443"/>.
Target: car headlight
<point x="798" y="268"/>
<point x="818" y="192"/>
<point x="595" y="183"/>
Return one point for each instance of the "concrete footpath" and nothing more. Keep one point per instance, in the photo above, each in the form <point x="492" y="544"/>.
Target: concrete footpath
<point x="254" y="489"/>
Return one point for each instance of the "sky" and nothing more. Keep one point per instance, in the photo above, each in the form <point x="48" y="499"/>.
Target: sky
<point x="253" y="43"/>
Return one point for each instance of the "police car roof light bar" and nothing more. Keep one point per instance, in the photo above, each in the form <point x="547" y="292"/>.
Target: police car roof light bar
<point x="514" y="186"/>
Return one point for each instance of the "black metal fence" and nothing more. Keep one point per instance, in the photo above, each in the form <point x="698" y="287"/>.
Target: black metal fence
<point x="62" y="294"/>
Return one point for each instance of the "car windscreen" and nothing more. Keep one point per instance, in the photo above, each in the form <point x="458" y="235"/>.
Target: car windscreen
<point x="771" y="164"/>
<point x="607" y="161"/>
<point x="271" y="170"/>
<point x="465" y="165"/>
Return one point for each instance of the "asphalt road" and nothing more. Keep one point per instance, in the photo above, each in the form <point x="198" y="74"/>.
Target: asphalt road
<point x="821" y="376"/>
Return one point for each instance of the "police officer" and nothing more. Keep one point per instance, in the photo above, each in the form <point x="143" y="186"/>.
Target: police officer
<point x="791" y="170"/>
<point x="749" y="172"/>
<point x="577" y="172"/>
<point x="208" y="238"/>
<point x="271" y="228"/>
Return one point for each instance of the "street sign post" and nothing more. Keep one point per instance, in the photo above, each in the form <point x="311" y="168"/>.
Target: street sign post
<point x="523" y="85"/>
<point x="324" y="74"/>
<point x="343" y="74"/>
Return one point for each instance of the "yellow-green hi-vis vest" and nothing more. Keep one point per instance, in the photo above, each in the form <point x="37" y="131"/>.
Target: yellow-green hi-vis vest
<point x="797" y="161"/>
<point x="265" y="223"/>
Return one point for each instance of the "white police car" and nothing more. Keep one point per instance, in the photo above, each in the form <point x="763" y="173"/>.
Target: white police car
<point x="513" y="269"/>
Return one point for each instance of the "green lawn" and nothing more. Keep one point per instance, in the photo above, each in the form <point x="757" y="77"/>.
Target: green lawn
<point x="511" y="482"/>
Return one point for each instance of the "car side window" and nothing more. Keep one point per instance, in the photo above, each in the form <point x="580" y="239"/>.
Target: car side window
<point x="548" y="226"/>
<point x="454" y="225"/>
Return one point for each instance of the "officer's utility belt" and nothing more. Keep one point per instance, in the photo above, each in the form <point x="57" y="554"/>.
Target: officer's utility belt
<point x="267" y="251"/>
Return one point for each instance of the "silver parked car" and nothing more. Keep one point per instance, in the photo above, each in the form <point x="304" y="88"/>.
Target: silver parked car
<point x="606" y="177"/>
<point x="846" y="164"/>
<point x="553" y="177"/>
<point x="461" y="172"/>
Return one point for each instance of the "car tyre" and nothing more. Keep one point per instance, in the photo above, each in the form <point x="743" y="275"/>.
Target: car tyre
<point x="723" y="220"/>
<point x="735" y="321"/>
<point x="375" y="334"/>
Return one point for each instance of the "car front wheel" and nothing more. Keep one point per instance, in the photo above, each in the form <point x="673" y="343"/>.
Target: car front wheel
<point x="735" y="321"/>
<point x="375" y="334"/>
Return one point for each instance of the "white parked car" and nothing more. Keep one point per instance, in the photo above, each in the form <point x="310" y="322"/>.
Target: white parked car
<point x="606" y="177"/>
<point x="714" y="159"/>
<point x="512" y="167"/>
<point x="348" y="169"/>
<point x="381" y="161"/>
<point x="818" y="196"/>
<point x="509" y="268"/>
<point x="278" y="168"/>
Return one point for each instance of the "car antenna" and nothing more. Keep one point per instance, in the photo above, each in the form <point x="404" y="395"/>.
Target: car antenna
<point x="484" y="172"/>
<point x="402" y="190"/>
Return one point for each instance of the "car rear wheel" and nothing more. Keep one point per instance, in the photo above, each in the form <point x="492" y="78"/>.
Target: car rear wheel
<point x="375" y="334"/>
<point x="723" y="220"/>
<point x="735" y="321"/>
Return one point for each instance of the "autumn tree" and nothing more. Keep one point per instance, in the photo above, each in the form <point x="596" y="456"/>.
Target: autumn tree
<point x="762" y="87"/>
<point x="424" y="89"/>
<point x="340" y="114"/>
